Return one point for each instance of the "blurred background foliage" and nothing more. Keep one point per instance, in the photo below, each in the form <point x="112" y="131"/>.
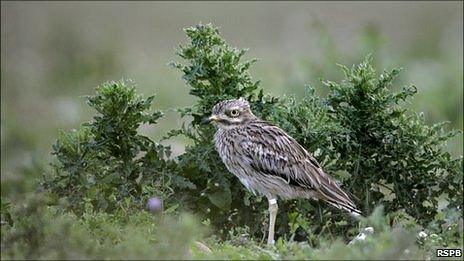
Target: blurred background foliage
<point x="54" y="52"/>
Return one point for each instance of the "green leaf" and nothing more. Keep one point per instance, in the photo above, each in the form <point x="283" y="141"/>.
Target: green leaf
<point x="221" y="199"/>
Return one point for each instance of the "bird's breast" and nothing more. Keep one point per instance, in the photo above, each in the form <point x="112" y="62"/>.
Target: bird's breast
<point x="222" y="144"/>
<point x="228" y="147"/>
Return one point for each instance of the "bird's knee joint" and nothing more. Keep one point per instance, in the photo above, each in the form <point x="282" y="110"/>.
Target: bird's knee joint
<point x="273" y="205"/>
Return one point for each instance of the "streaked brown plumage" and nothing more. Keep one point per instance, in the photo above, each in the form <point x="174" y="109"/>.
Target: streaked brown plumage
<point x="268" y="161"/>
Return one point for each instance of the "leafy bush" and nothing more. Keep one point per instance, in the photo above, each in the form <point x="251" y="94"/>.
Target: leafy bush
<point x="105" y="163"/>
<point x="383" y="153"/>
<point x="214" y="72"/>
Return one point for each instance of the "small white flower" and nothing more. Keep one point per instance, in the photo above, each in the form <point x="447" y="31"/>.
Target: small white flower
<point x="362" y="236"/>
<point x="422" y="234"/>
<point x="369" y="230"/>
<point x="216" y="184"/>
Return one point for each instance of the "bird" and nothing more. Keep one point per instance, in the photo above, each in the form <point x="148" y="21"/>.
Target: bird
<point x="269" y="162"/>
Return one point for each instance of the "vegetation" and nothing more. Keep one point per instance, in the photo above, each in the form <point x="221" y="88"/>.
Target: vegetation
<point x="106" y="164"/>
<point x="361" y="132"/>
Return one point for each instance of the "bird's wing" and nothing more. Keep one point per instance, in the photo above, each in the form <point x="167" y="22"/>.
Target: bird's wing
<point x="274" y="152"/>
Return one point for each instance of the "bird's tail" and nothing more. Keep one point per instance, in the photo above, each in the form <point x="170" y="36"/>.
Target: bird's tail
<point x="335" y="196"/>
<point x="354" y="212"/>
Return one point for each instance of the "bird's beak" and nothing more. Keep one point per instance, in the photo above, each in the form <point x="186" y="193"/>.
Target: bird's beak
<point x="210" y="119"/>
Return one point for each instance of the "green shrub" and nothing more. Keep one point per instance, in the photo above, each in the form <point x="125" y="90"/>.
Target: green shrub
<point x="382" y="152"/>
<point x="105" y="164"/>
<point x="361" y="132"/>
<point x="214" y="71"/>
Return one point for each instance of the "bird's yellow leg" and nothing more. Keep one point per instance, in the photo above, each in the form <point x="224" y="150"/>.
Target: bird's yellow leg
<point x="272" y="217"/>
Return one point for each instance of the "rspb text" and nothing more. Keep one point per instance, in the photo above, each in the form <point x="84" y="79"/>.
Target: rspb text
<point x="449" y="252"/>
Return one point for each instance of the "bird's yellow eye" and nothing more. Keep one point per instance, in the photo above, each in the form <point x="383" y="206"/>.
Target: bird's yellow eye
<point x="234" y="113"/>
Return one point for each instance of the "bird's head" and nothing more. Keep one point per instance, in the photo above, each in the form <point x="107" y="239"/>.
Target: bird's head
<point x="231" y="113"/>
